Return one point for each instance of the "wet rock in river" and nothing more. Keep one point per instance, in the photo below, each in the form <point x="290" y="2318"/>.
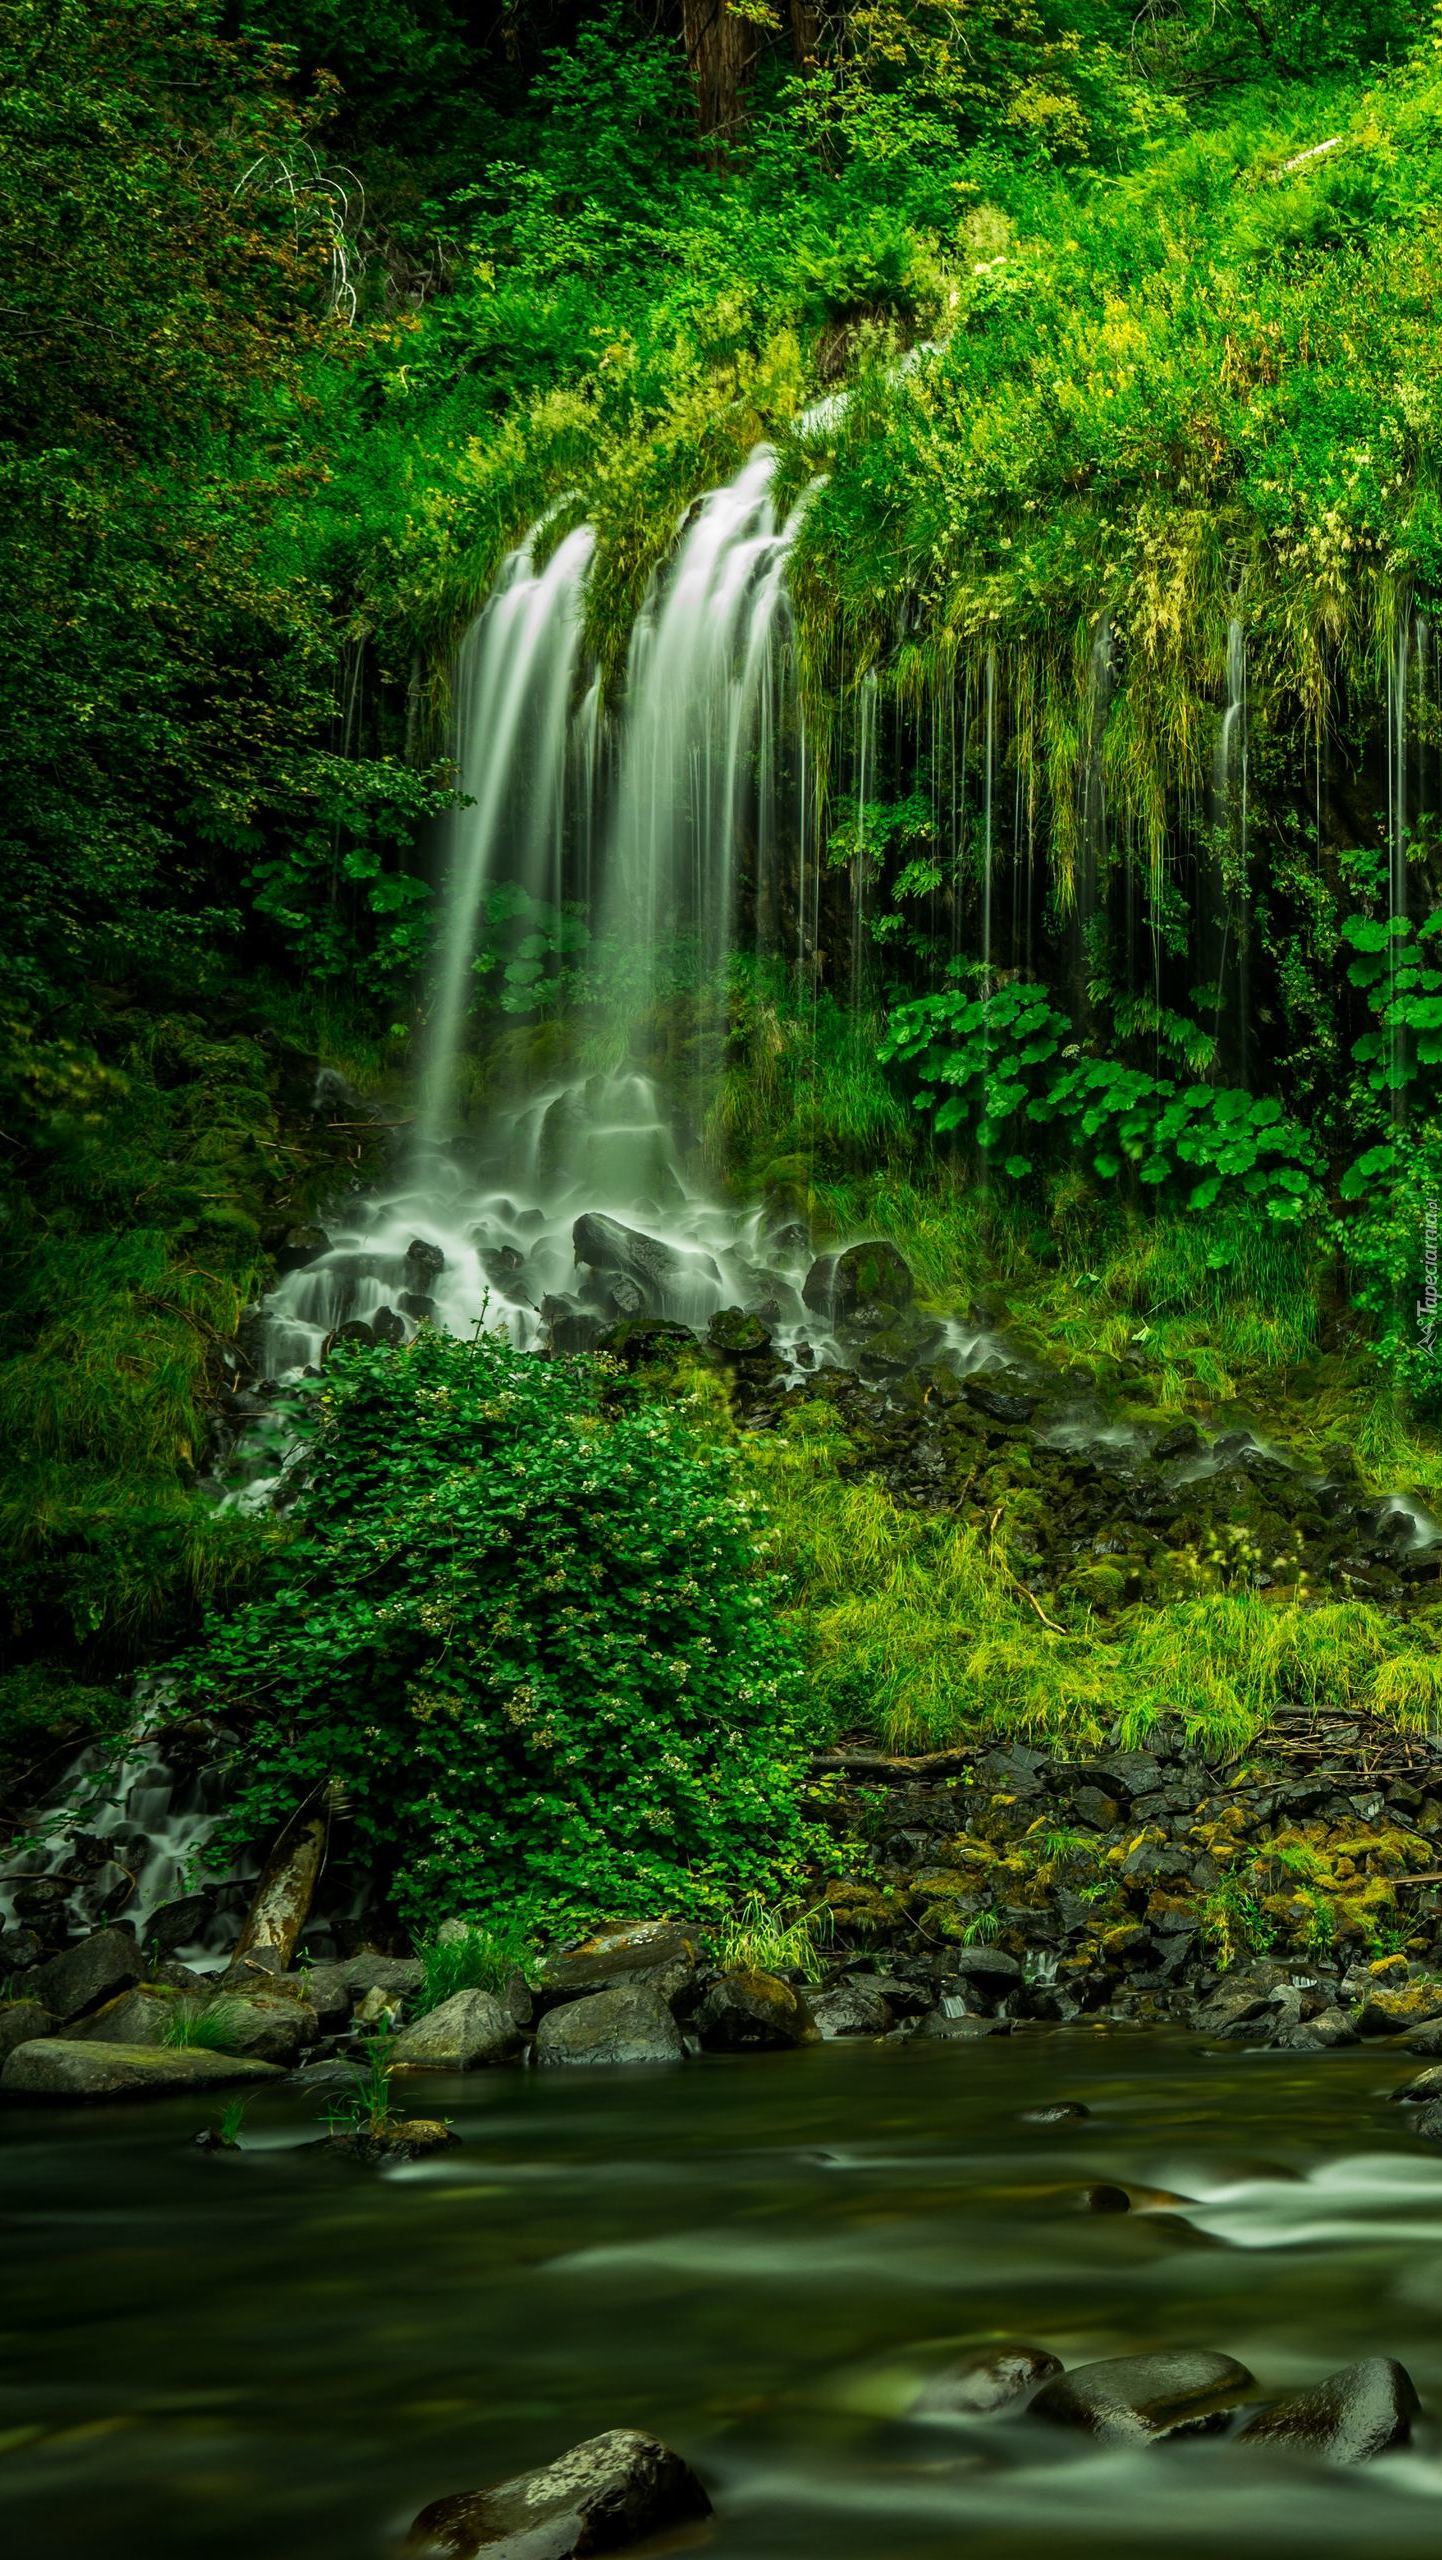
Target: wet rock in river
<point x="852" y="2008"/>
<point x="176" y="1923"/>
<point x="749" y="2012"/>
<point x="424" y="1263"/>
<point x="1422" y="2090"/>
<point x="66" y="2068"/>
<point x="21" y="2021"/>
<point x="1385" y="2012"/>
<point x="467" y="2032"/>
<point x="605" y="2495"/>
<point x="628" y="2024"/>
<point x="1060" y="2111"/>
<point x="604" y="1245"/>
<point x="1427" y="2040"/>
<point x="1010" y="1402"/>
<point x="1351" y="2416"/>
<point x="1141" y="2399"/>
<point x="990" y="2379"/>
<point x="107" y="1962"/>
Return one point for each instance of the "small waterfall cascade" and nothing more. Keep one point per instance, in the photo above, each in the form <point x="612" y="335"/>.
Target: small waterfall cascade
<point x="121" y="1841"/>
<point x="698" y="739"/>
<point x="515" y="679"/>
<point x="576" y="1207"/>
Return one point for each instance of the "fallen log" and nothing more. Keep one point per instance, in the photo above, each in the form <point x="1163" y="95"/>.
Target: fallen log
<point x="281" y="1905"/>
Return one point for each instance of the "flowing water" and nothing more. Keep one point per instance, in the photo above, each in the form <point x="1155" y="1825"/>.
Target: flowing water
<point x="762" y="2260"/>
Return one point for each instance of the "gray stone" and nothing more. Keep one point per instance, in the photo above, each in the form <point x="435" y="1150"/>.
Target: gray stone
<point x="655" y="1952"/>
<point x="603" y="1244"/>
<point x="273" y="2026"/>
<point x="1138" y="2399"/>
<point x="853" y="2008"/>
<point x="628" y="2024"/>
<point x="20" y="2022"/>
<point x="138" y="2016"/>
<point x="605" y="2495"/>
<point x="64" y="2067"/>
<point x="749" y="2011"/>
<point x="1321" y="2034"/>
<point x="1422" y="2088"/>
<point x="85" y="1975"/>
<point x="1351" y="2416"/>
<point x="992" y="2378"/>
<point x="465" y="2033"/>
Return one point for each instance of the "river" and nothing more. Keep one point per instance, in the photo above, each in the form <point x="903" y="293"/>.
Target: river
<point x="278" y="2353"/>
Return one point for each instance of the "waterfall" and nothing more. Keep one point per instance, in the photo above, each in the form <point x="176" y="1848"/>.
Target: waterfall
<point x="514" y="691"/>
<point x="577" y="1206"/>
<point x="1232" y="736"/>
<point x="697" y="680"/>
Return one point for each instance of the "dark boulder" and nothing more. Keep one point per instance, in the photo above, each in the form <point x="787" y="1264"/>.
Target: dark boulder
<point x="21" y="2021"/>
<point x="867" y="1286"/>
<point x="424" y="1264"/>
<point x="993" y="2378"/>
<point x="655" y="1953"/>
<point x="749" y="2011"/>
<point x="300" y="1246"/>
<point x="605" y="2495"/>
<point x="628" y="2024"/>
<point x="1139" y="2399"/>
<point x="85" y="1975"/>
<point x="642" y="1340"/>
<point x="852" y="2008"/>
<point x="604" y="1245"/>
<point x="1351" y="2416"/>
<point x="176" y="1923"/>
<point x="1010" y="1403"/>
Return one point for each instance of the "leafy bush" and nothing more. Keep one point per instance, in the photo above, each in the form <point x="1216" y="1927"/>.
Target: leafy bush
<point x="1003" y="1055"/>
<point x="531" y="1640"/>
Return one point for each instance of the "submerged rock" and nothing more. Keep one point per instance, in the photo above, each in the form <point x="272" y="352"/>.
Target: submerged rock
<point x="1350" y="2416"/>
<point x="61" y="2067"/>
<point x="992" y="2378"/>
<point x="751" y="2012"/>
<point x="1060" y="2111"/>
<point x="628" y="2024"/>
<point x="466" y="2032"/>
<point x="1140" y="2399"/>
<point x="606" y="2494"/>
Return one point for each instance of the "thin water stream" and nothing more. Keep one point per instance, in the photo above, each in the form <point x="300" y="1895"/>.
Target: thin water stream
<point x="762" y="2260"/>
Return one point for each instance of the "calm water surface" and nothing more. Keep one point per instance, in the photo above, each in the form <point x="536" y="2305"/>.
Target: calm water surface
<point x="274" y="2357"/>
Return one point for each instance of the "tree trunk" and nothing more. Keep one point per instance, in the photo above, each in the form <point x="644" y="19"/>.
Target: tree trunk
<point x="282" y="1902"/>
<point x="721" y="51"/>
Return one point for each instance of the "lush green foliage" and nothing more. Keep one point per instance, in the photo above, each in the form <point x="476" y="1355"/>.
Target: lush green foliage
<point x="528" y="1638"/>
<point x="999" y="1056"/>
<point x="475" y="1956"/>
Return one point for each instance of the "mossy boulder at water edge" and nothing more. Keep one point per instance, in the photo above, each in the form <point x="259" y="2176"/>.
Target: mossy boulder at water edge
<point x="866" y="1286"/>
<point x="58" y="2068"/>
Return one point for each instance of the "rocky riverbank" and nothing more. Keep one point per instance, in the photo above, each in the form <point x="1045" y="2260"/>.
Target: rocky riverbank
<point x="1288" y="1896"/>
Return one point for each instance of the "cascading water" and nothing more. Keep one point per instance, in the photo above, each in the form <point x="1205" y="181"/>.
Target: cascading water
<point x="699" y="697"/>
<point x="578" y="1206"/>
<point x="516" y="674"/>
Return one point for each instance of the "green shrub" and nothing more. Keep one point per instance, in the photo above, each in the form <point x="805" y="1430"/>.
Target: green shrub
<point x="531" y="1640"/>
<point x="474" y="1956"/>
